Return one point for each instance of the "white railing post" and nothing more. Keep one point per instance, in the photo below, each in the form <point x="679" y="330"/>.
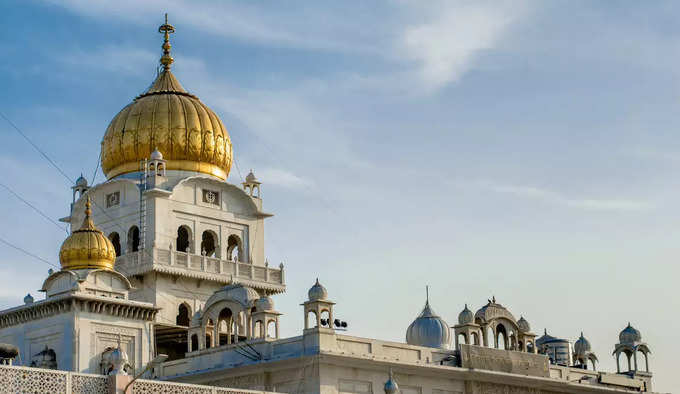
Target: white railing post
<point x="281" y="268"/>
<point x="266" y="271"/>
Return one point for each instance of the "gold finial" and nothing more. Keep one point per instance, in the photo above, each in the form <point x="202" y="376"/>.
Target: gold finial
<point x="88" y="207"/>
<point x="166" y="29"/>
<point x="87" y="222"/>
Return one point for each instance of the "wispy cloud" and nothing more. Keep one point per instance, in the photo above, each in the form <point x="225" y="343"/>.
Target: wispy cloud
<point x="290" y="25"/>
<point x="435" y="42"/>
<point x="447" y="45"/>
<point x="281" y="177"/>
<point x="534" y="193"/>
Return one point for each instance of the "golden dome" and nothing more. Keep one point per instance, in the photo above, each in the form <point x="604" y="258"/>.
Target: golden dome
<point x="87" y="247"/>
<point x="165" y="117"/>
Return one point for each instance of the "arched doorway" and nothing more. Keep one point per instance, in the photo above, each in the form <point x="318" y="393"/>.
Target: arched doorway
<point x="183" y="239"/>
<point x="234" y="248"/>
<point x="208" y="243"/>
<point x="133" y="239"/>
<point x="183" y="315"/>
<point x="115" y="240"/>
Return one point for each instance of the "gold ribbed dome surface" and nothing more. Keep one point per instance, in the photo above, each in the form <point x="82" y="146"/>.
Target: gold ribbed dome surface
<point x="87" y="247"/>
<point x="165" y="117"/>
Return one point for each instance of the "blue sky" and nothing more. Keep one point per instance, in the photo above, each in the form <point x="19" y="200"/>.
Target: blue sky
<point x="526" y="150"/>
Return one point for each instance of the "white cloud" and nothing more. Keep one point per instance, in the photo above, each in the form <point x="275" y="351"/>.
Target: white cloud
<point x="280" y="177"/>
<point x="289" y="25"/>
<point x="443" y="38"/>
<point x="616" y="204"/>
<point x="447" y="46"/>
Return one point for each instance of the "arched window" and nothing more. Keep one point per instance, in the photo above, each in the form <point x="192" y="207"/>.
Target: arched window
<point x="194" y="343"/>
<point x="258" y="331"/>
<point x="311" y="319"/>
<point x="501" y="337"/>
<point x="530" y="347"/>
<point x="490" y="337"/>
<point x="183" y="239"/>
<point x="462" y="339"/>
<point x="225" y="326"/>
<point x="208" y="243"/>
<point x="326" y="319"/>
<point x="234" y="248"/>
<point x="271" y="329"/>
<point x="183" y="315"/>
<point x="133" y="239"/>
<point x="115" y="240"/>
<point x="475" y="339"/>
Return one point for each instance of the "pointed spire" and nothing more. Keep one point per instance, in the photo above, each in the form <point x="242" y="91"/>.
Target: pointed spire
<point x="166" y="29"/>
<point x="87" y="222"/>
<point x="427" y="295"/>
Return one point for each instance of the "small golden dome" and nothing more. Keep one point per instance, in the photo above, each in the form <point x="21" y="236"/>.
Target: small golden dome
<point x="165" y="117"/>
<point x="87" y="247"/>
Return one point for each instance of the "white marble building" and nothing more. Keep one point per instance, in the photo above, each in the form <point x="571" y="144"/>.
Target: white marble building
<point x="191" y="280"/>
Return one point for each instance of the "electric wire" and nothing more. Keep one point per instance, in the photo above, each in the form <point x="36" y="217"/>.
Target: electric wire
<point x="22" y="250"/>
<point x="94" y="176"/>
<point x="238" y="170"/>
<point x="41" y="213"/>
<point x="36" y="147"/>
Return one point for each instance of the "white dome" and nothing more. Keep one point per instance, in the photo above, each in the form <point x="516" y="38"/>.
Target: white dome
<point x="523" y="324"/>
<point x="317" y="292"/>
<point x="429" y="330"/>
<point x="250" y="178"/>
<point x="581" y="346"/>
<point x="630" y="335"/>
<point x="156" y="155"/>
<point x="466" y="316"/>
<point x="81" y="181"/>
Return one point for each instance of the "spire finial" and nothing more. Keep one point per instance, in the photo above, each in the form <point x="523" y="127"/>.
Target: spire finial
<point x="166" y="29"/>
<point x="87" y="221"/>
<point x="427" y="294"/>
<point x="88" y="208"/>
<point x="493" y="299"/>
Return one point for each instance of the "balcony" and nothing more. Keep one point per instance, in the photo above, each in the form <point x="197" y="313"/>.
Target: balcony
<point x="177" y="263"/>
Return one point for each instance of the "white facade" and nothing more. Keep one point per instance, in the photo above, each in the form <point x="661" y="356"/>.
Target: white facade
<point x="85" y="313"/>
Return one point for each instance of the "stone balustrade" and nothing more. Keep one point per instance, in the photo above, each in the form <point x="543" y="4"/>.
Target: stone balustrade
<point x="14" y="379"/>
<point x="201" y="267"/>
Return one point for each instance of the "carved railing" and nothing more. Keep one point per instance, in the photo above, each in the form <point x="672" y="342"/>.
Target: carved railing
<point x="26" y="380"/>
<point x="36" y="380"/>
<point x="131" y="261"/>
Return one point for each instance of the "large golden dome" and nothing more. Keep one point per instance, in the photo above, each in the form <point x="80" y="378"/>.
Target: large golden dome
<point x="165" y="117"/>
<point x="87" y="247"/>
